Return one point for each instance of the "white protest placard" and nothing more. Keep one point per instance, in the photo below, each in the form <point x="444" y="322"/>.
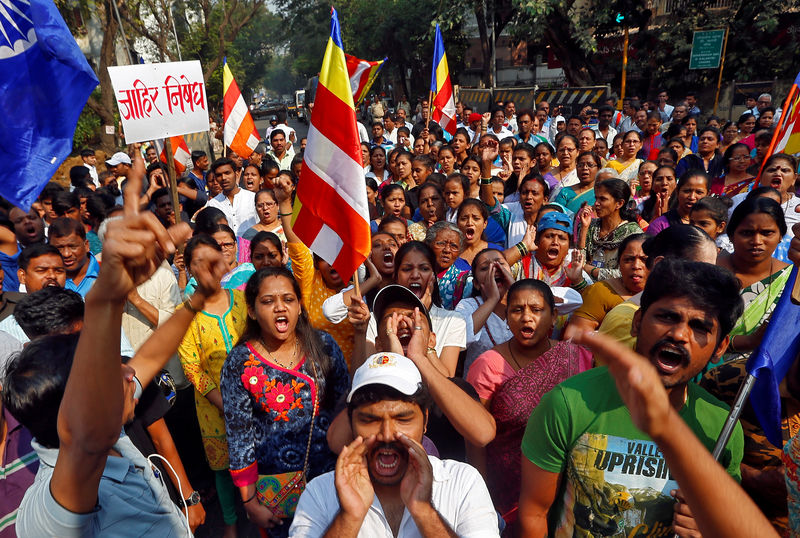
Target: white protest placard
<point x="160" y="100"/>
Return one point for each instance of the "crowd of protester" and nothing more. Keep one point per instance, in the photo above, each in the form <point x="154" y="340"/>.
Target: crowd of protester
<point x="486" y="376"/>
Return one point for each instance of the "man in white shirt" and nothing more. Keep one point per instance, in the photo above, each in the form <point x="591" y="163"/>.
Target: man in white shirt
<point x="90" y="161"/>
<point x="663" y="108"/>
<point x="603" y="127"/>
<point x="282" y="151"/>
<point x="385" y="485"/>
<point x="239" y="205"/>
<point x="510" y="110"/>
<point x="288" y="131"/>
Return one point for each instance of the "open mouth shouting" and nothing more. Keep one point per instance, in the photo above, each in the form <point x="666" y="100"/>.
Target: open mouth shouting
<point x="469" y="233"/>
<point x="416" y="288"/>
<point x="388" y="462"/>
<point x="668" y="357"/>
<point x="282" y="324"/>
<point x="388" y="260"/>
<point x="527" y="331"/>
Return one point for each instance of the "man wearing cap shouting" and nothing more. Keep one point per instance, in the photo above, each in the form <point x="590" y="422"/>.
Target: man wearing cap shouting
<point x="120" y="165"/>
<point x="384" y="483"/>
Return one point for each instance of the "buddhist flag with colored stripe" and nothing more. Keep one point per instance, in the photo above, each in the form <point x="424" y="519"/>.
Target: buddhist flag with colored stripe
<point x="240" y="130"/>
<point x="786" y="138"/>
<point x="362" y="74"/>
<point x="180" y="153"/>
<point x="332" y="217"/>
<point x="444" y="106"/>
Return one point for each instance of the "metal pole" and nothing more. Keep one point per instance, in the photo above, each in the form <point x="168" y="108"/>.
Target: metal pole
<point x="733" y="416"/>
<point x="493" y="53"/>
<point x="175" y="33"/>
<point x="624" y="67"/>
<point x="122" y="31"/>
<point x="721" y="67"/>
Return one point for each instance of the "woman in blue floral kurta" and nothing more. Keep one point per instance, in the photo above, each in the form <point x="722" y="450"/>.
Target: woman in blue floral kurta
<point x="270" y="382"/>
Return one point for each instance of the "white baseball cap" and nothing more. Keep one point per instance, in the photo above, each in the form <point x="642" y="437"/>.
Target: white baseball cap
<point x="119" y="158"/>
<point x="389" y="369"/>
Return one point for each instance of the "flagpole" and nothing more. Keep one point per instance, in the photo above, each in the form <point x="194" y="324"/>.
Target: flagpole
<point x="733" y="416"/>
<point x="173" y="183"/>
<point x="778" y="129"/>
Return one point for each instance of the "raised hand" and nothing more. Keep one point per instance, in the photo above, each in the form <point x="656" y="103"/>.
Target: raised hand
<point x="135" y="245"/>
<point x="529" y="239"/>
<point x="353" y="485"/>
<point x="282" y="186"/>
<point x="358" y="313"/>
<point x="417" y="484"/>
<point x="488" y="150"/>
<point x="392" y="325"/>
<point x="208" y="269"/>
<point x="486" y="117"/>
<point x="574" y="270"/>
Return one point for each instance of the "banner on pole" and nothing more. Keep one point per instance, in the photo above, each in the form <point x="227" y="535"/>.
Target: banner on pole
<point x="160" y="100"/>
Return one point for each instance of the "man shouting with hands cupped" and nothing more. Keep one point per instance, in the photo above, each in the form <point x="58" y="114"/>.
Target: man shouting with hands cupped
<point x="385" y="484"/>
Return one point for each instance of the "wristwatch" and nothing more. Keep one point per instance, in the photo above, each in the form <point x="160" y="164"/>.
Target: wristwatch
<point x="193" y="499"/>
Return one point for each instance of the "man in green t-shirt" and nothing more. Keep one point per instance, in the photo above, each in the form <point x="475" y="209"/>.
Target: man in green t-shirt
<point x="587" y="470"/>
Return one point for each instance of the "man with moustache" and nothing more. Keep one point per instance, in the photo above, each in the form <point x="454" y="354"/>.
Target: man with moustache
<point x="587" y="469"/>
<point x="384" y="483"/>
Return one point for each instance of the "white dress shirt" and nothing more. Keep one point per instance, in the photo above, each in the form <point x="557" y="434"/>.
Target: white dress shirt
<point x="459" y="495"/>
<point x="240" y="213"/>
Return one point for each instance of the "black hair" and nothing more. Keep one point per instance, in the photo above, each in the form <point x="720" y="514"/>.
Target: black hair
<point x="375" y="392"/>
<point x="753" y="206"/>
<point x="532" y="284"/>
<point x="196" y="241"/>
<point x="64" y="226"/>
<point x="64" y="201"/>
<point x="51" y="310"/>
<point x="86" y="152"/>
<point x="717" y="207"/>
<point x="79" y="176"/>
<point x="34" y="383"/>
<point x="709" y="287"/>
<point x="391" y="219"/>
<point x="163" y="191"/>
<point x="461" y="178"/>
<point x="463" y="132"/>
<point x="619" y="191"/>
<point x="762" y="191"/>
<point x="196" y="155"/>
<point x="527" y="148"/>
<point x="207" y="218"/>
<point x="546" y="145"/>
<point x="98" y="205"/>
<point x="265" y="237"/>
<point x="476" y="289"/>
<point x="276" y="132"/>
<point x="223" y="161"/>
<point x="744" y="117"/>
<point x="678" y="241"/>
<point x="425" y="250"/>
<point x="592" y="155"/>
<point x="672" y="153"/>
<point x="49" y="190"/>
<point x="310" y="340"/>
<point x="791" y="159"/>
<point x="627" y="240"/>
<point x="426" y="160"/>
<point x="158" y="165"/>
<point x="565" y="137"/>
<point x="389" y="188"/>
<point x="34" y="251"/>
<point x="371" y="183"/>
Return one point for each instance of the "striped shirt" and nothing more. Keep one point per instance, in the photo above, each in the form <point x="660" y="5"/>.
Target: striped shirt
<point x="20" y="464"/>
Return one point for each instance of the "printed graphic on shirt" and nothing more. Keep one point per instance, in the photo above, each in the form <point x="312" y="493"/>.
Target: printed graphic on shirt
<point x="616" y="487"/>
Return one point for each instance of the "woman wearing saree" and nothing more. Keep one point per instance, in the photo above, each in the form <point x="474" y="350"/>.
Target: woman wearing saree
<point x="627" y="164"/>
<point x="755" y="229"/>
<point x="447" y="241"/>
<point x="511" y="378"/>
<point x="575" y="196"/>
<point x="601" y="238"/>
<point x="736" y="180"/>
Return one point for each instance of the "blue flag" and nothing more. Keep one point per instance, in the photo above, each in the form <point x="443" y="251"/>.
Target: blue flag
<point x="770" y="362"/>
<point x="44" y="84"/>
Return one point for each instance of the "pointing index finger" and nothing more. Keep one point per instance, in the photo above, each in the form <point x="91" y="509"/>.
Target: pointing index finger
<point x="133" y="187"/>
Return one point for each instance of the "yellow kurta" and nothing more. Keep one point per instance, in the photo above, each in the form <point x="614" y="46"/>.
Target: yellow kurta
<point x="314" y="293"/>
<point x="202" y="352"/>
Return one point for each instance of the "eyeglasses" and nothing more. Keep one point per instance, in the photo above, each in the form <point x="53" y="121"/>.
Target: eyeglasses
<point x="586" y="165"/>
<point x="227" y="246"/>
<point x="446" y="245"/>
<point x="741" y="158"/>
<point x="266" y="205"/>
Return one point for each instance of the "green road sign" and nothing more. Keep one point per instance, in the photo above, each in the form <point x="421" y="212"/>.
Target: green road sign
<point x="706" y="49"/>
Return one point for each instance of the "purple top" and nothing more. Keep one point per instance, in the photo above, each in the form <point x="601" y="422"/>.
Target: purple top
<point x="20" y="464"/>
<point x="658" y="224"/>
